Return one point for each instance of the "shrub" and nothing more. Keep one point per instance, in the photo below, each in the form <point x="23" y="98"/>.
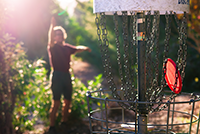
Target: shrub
<point x="79" y="100"/>
<point x="10" y="84"/>
<point x="25" y="95"/>
<point x="34" y="103"/>
<point x="35" y="99"/>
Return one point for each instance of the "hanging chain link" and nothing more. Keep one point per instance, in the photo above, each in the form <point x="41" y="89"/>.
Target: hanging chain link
<point x="155" y="63"/>
<point x="152" y="41"/>
<point x="103" y="42"/>
<point x="182" y="53"/>
<point x="184" y="45"/>
<point x="149" y="70"/>
<point x="118" y="51"/>
<point x="127" y="76"/>
<point x="134" y="37"/>
<point x="133" y="30"/>
<point x="166" y="46"/>
<point x="157" y="13"/>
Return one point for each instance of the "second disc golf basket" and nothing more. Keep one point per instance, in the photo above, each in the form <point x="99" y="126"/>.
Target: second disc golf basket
<point x="151" y="79"/>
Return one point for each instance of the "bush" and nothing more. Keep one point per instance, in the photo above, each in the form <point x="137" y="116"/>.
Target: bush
<point x="79" y="100"/>
<point x="25" y="90"/>
<point x="10" y="83"/>
<point x="35" y="101"/>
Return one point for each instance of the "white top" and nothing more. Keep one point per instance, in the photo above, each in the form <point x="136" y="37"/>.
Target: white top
<point x="111" y="6"/>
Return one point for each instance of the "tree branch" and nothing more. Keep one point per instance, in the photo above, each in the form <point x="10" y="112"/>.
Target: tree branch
<point x="191" y="36"/>
<point x="193" y="46"/>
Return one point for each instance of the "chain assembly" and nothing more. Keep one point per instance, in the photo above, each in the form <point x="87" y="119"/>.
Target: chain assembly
<point x="127" y="57"/>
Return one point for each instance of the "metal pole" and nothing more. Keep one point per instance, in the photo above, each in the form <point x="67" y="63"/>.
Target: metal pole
<point x="193" y="104"/>
<point x="88" y="94"/>
<point x="101" y="105"/>
<point x="106" y="99"/>
<point x="142" y="119"/>
<point x="168" y="113"/>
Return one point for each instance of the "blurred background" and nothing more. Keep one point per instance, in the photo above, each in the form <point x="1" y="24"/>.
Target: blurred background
<point x="28" y="22"/>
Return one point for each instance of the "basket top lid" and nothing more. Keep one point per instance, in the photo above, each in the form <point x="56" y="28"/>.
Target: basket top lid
<point x="111" y="6"/>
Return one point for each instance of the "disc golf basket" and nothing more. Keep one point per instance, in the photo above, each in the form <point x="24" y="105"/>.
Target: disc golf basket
<point x="151" y="79"/>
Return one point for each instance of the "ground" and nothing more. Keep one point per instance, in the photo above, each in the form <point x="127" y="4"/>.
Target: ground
<point x="85" y="71"/>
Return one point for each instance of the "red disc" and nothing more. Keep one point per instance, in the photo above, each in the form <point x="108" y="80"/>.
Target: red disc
<point x="170" y="76"/>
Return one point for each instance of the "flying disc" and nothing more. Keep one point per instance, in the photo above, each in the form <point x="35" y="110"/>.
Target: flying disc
<point x="61" y="13"/>
<point x="172" y="76"/>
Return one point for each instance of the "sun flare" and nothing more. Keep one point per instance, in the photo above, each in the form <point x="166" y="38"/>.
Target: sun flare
<point x="11" y="4"/>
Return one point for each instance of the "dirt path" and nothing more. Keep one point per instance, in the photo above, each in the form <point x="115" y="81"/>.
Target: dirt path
<point x="83" y="70"/>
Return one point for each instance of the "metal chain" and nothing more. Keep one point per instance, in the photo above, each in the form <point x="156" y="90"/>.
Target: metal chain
<point x="132" y="55"/>
<point x="136" y="45"/>
<point x="154" y="85"/>
<point x="157" y="46"/>
<point x="135" y="40"/>
<point x="133" y="35"/>
<point x="176" y="73"/>
<point x="107" y="59"/>
<point x="148" y="57"/>
<point x="184" y="45"/>
<point x="158" y="94"/>
<point x="182" y="53"/>
<point x="118" y="51"/>
<point x="103" y="42"/>
<point x="166" y="47"/>
<point x="180" y="38"/>
<point x="125" y="55"/>
<point x="119" y="62"/>
<point x="127" y="76"/>
<point x="152" y="41"/>
<point x="173" y="95"/>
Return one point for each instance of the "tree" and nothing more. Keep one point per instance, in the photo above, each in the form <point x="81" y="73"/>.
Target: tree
<point x="194" y="25"/>
<point x="11" y="53"/>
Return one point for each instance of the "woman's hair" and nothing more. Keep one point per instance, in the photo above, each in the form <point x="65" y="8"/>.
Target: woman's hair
<point x="59" y="28"/>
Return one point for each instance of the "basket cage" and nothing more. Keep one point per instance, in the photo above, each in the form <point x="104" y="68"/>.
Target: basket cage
<point x="180" y="117"/>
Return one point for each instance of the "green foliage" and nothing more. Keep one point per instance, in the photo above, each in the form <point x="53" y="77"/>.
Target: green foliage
<point x="10" y="85"/>
<point x="34" y="100"/>
<point x="79" y="100"/>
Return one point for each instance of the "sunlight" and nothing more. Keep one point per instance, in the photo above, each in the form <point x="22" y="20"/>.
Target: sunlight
<point x="69" y="5"/>
<point x="12" y="4"/>
<point x="26" y="16"/>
